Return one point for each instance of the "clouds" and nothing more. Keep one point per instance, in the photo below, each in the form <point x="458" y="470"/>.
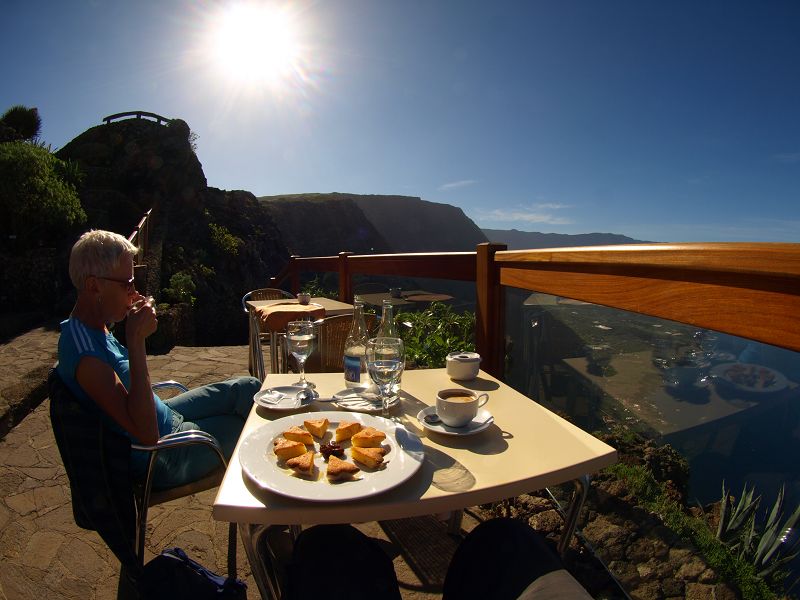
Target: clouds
<point x="453" y="185"/>
<point x="537" y="213"/>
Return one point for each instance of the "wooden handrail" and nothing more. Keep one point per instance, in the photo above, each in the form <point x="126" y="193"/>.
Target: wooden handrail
<point x="746" y="289"/>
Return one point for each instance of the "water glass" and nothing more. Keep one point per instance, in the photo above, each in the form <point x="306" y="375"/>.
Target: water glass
<point x="385" y="364"/>
<point x="300" y="338"/>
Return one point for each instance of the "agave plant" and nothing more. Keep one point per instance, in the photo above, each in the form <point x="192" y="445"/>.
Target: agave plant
<point x="769" y="548"/>
<point x="775" y="548"/>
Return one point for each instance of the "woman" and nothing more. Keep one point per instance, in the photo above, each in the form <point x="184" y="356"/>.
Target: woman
<point x="102" y="372"/>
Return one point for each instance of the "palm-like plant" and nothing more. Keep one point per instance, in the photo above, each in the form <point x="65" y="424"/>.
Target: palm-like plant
<point x="20" y="123"/>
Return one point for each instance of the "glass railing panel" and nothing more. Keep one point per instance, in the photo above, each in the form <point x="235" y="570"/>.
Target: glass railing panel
<point x="729" y="406"/>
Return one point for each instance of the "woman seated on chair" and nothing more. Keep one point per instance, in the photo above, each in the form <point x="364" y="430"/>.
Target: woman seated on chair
<point x="98" y="369"/>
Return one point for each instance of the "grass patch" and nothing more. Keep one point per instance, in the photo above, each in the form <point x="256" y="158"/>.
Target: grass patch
<point x="651" y="495"/>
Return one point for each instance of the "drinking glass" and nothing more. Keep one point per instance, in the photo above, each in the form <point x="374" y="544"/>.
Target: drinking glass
<point x="300" y="337"/>
<point x="385" y="363"/>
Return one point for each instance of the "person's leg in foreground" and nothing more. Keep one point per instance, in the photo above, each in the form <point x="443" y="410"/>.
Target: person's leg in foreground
<point x="338" y="562"/>
<point x="499" y="559"/>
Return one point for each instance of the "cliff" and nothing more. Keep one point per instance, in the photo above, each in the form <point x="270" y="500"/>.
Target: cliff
<point x="524" y="240"/>
<point x="370" y="224"/>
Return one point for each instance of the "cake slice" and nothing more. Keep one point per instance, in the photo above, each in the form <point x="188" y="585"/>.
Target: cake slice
<point x="346" y="430"/>
<point x="286" y="449"/>
<point x="371" y="457"/>
<point x="369" y="437"/>
<point x="317" y="427"/>
<point x="340" y="469"/>
<point x="298" y="434"/>
<point x="303" y="464"/>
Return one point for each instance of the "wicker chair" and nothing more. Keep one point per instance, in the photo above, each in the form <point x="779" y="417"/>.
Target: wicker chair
<point x="331" y="337"/>
<point x="256" y="359"/>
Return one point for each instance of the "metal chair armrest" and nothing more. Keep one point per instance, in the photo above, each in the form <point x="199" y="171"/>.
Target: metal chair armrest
<point x="170" y="440"/>
<point x="169" y="384"/>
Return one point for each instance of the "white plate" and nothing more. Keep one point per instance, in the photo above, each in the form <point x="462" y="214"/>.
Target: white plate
<point x="481" y="421"/>
<point x="750" y="378"/>
<point x="259" y="462"/>
<point x="359" y="399"/>
<point x="286" y="404"/>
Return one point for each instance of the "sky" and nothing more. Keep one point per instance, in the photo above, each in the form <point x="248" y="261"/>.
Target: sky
<point x="664" y="121"/>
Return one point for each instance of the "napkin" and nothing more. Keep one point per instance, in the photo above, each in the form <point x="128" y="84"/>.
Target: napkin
<point x="278" y="399"/>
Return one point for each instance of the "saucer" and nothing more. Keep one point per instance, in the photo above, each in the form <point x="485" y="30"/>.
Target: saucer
<point x="361" y="399"/>
<point x="481" y="421"/>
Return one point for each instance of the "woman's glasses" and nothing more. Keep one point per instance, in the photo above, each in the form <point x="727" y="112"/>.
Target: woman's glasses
<point x="128" y="284"/>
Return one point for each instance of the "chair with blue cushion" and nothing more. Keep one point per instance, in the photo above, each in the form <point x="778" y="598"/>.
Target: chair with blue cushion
<point x="105" y="496"/>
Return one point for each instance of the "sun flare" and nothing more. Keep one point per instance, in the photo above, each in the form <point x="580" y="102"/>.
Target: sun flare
<point x="255" y="45"/>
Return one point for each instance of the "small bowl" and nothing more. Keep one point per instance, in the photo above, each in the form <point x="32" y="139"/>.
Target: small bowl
<point x="462" y="366"/>
<point x="303" y="298"/>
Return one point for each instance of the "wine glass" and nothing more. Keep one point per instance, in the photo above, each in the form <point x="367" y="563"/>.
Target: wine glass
<point x="385" y="363"/>
<point x="300" y="337"/>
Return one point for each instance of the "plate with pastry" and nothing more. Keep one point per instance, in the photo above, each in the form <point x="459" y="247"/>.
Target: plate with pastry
<point x="329" y="456"/>
<point x="749" y="378"/>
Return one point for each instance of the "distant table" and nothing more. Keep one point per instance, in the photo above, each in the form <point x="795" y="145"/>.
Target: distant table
<point x="329" y="306"/>
<point x="526" y="448"/>
<point x="639" y="387"/>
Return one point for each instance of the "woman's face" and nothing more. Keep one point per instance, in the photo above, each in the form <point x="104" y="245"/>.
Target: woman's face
<point x="117" y="291"/>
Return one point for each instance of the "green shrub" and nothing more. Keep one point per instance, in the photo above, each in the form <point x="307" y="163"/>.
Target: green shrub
<point x="181" y="288"/>
<point x="36" y="203"/>
<point x="21" y="123"/>
<point x="430" y="335"/>
<point x="224" y="240"/>
<point x="315" y="288"/>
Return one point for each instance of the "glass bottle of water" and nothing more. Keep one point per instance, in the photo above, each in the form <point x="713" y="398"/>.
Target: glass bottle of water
<point x="355" y="348"/>
<point x="387" y="327"/>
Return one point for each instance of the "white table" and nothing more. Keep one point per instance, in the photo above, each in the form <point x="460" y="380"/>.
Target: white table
<point x="332" y="308"/>
<point x="527" y="448"/>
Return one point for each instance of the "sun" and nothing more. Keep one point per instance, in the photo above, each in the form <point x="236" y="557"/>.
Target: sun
<point x="255" y="45"/>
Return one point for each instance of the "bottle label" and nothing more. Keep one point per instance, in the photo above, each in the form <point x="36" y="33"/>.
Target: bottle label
<point x="352" y="369"/>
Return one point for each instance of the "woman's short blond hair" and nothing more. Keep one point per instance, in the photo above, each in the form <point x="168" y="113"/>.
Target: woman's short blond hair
<point x="98" y="253"/>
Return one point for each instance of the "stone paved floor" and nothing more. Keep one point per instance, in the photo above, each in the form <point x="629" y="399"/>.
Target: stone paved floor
<point x="43" y="553"/>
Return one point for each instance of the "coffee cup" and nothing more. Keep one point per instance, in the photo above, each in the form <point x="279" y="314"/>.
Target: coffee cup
<point x="457" y="407"/>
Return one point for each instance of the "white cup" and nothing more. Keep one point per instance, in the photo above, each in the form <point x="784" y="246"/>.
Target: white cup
<point x="457" y="407"/>
<point x="462" y="366"/>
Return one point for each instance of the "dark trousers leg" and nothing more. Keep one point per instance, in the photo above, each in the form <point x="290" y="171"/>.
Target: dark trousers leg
<point x="338" y="562"/>
<point x="498" y="560"/>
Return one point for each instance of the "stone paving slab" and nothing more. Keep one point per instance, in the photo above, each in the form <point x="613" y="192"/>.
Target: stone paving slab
<point x="45" y="555"/>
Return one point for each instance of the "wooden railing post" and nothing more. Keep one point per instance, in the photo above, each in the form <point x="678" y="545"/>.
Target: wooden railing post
<point x="345" y="285"/>
<point x="294" y="274"/>
<point x="489" y="310"/>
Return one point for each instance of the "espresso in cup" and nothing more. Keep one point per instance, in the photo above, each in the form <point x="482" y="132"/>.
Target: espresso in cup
<point x="457" y="407"/>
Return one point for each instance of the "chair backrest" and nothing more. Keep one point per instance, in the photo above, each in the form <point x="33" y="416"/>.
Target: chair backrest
<point x="97" y="461"/>
<point x="264" y="294"/>
<point x="331" y="337"/>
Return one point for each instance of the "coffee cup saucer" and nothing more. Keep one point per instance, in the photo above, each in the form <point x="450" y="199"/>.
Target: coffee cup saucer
<point x="481" y="421"/>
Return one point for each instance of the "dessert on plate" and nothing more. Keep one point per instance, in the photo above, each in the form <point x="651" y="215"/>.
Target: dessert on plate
<point x="340" y="469"/>
<point x="369" y="437"/>
<point x="298" y="434"/>
<point x="346" y="430"/>
<point x="371" y="457"/>
<point x="317" y="427"/>
<point x="285" y="449"/>
<point x="303" y="464"/>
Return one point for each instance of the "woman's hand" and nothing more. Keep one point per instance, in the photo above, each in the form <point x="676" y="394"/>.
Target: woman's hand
<point x="142" y="320"/>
